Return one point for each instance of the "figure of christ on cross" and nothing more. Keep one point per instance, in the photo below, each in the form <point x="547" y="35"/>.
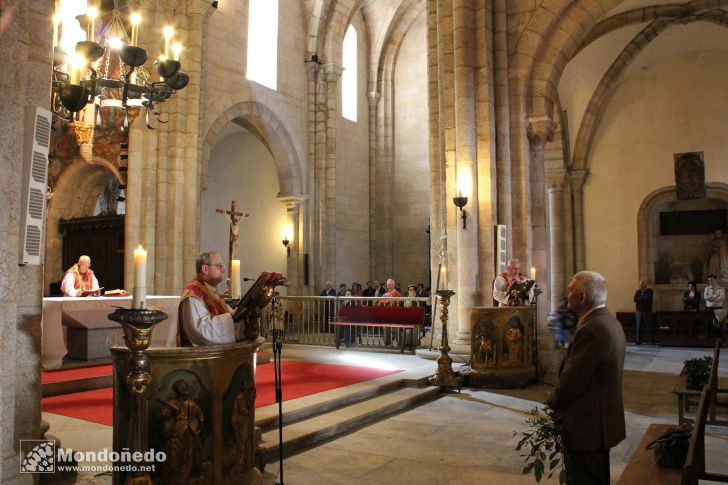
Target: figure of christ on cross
<point x="234" y="218"/>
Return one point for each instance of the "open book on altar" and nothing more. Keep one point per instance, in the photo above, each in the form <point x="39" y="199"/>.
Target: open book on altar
<point x="92" y="292"/>
<point x="259" y="295"/>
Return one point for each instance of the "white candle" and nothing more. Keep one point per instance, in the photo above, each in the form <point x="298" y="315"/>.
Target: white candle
<point x="176" y="50"/>
<point x="140" y="278"/>
<point x="533" y="273"/>
<point x="92" y="13"/>
<point x="235" y="279"/>
<point x="168" y="32"/>
<point x="56" y="23"/>
<point x="136" y="19"/>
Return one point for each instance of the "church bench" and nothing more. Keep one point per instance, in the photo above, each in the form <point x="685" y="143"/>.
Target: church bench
<point x="642" y="468"/>
<point x="407" y="319"/>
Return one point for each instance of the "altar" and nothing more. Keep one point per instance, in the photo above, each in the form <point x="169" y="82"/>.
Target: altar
<point x="89" y="315"/>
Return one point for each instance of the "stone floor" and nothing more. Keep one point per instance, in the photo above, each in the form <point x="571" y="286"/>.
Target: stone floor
<point x="461" y="439"/>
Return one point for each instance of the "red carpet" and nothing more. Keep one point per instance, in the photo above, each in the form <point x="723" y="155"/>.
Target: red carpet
<point x="298" y="379"/>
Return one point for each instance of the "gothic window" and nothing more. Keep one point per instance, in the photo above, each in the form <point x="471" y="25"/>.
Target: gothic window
<point x="263" y="42"/>
<point x="349" y="77"/>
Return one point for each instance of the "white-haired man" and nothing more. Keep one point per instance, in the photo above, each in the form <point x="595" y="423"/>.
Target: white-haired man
<point x="503" y="281"/>
<point x="589" y="393"/>
<point x="79" y="280"/>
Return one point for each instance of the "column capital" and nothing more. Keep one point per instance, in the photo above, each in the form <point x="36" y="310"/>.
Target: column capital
<point x="541" y="130"/>
<point x="555" y="179"/>
<point x="577" y="178"/>
<point x="194" y="7"/>
<point x="333" y="72"/>
<point x="292" y="202"/>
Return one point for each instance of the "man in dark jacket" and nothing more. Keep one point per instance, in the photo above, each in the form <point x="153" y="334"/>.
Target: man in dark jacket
<point x="643" y="313"/>
<point x="588" y="396"/>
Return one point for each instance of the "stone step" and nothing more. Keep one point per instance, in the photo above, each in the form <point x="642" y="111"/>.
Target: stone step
<point x="304" y="434"/>
<point x="296" y="410"/>
<point x="77" y="385"/>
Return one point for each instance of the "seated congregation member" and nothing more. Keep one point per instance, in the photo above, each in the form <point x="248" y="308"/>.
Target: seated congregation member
<point x="691" y="298"/>
<point x="204" y="317"/>
<point x="411" y="293"/>
<point x="79" y="280"/>
<point x="369" y="291"/>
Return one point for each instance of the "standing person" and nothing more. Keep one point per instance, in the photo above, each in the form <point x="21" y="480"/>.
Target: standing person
<point x="691" y="298"/>
<point x="79" y="280"/>
<point x="588" y="396"/>
<point x="204" y="317"/>
<point x="369" y="291"/>
<point x="714" y="295"/>
<point x="392" y="290"/>
<point x="643" y="313"/>
<point x="328" y="304"/>
<point x="379" y="290"/>
<point x="503" y="281"/>
<point x="411" y="293"/>
<point x="342" y="289"/>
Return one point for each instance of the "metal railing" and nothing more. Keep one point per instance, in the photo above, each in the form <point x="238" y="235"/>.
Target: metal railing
<point x="305" y="320"/>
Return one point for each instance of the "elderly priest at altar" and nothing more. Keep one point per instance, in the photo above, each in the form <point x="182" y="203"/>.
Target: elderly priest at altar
<point x="204" y="317"/>
<point x="79" y="280"/>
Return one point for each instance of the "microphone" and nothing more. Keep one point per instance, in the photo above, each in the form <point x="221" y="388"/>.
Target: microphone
<point x="249" y="279"/>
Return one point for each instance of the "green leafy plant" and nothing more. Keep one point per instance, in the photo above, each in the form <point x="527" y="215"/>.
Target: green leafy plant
<point x="541" y="445"/>
<point x="697" y="372"/>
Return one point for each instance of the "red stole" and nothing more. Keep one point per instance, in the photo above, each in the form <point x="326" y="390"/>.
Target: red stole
<point x="213" y="302"/>
<point x="83" y="282"/>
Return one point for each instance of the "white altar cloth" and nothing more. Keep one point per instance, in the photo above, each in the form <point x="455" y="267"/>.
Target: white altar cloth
<point x="54" y="335"/>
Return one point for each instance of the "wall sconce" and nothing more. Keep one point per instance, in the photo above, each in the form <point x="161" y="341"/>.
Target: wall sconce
<point x="461" y="200"/>
<point x="287" y="236"/>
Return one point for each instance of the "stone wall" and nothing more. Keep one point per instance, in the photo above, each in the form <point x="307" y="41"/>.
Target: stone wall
<point x="411" y="160"/>
<point x="25" y="51"/>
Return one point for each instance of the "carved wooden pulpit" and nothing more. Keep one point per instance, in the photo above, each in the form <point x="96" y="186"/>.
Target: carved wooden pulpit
<point x="502" y="346"/>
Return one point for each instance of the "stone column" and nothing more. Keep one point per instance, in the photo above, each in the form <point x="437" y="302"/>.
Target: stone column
<point x="577" y="179"/>
<point x="466" y="167"/>
<point x="294" y="266"/>
<point x="503" y="149"/>
<point x="316" y="208"/>
<point x="555" y="183"/>
<point x="332" y="74"/>
<point x="373" y="97"/>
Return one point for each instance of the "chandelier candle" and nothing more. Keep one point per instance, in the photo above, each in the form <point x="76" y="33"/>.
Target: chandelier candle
<point x="168" y="33"/>
<point x="136" y="19"/>
<point x="92" y="13"/>
<point x="140" y="278"/>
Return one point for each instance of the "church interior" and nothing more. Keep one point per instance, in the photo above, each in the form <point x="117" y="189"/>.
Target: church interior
<point x="424" y="141"/>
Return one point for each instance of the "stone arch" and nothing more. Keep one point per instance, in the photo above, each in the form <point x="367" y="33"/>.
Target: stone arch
<point x="649" y="14"/>
<point x="340" y="14"/>
<point x="74" y="195"/>
<point x="605" y="89"/>
<point x="403" y="19"/>
<point x="647" y="218"/>
<point x="267" y="126"/>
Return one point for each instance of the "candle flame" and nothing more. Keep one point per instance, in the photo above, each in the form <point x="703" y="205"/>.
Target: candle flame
<point x="168" y="31"/>
<point x="135" y="18"/>
<point x="92" y="12"/>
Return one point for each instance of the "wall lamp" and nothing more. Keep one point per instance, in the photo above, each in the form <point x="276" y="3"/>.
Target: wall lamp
<point x="460" y="201"/>
<point x="287" y="236"/>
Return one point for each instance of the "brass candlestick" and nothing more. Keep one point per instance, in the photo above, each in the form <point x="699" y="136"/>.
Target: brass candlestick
<point x="445" y="376"/>
<point x="138" y="325"/>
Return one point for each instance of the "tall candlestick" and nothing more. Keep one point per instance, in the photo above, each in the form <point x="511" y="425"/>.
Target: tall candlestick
<point x="140" y="278"/>
<point x="235" y="279"/>
<point x="533" y="273"/>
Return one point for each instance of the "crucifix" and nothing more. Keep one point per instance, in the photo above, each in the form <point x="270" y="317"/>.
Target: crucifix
<point x="234" y="217"/>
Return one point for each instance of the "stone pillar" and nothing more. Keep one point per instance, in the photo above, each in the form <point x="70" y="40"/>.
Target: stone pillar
<point x="503" y="149"/>
<point x="316" y="176"/>
<point x="577" y="179"/>
<point x="373" y="97"/>
<point x="294" y="266"/>
<point x="332" y="74"/>
<point x="555" y="183"/>
<point x="466" y="169"/>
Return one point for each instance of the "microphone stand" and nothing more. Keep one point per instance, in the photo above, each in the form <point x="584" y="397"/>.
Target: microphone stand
<point x="277" y="347"/>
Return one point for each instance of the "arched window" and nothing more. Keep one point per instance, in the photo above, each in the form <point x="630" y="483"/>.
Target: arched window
<point x="263" y="42"/>
<point x="349" y="77"/>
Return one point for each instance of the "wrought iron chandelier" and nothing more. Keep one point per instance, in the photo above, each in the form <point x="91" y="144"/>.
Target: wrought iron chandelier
<point x="106" y="71"/>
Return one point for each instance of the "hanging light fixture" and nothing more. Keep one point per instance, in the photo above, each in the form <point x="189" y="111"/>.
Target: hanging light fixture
<point x="106" y="71"/>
